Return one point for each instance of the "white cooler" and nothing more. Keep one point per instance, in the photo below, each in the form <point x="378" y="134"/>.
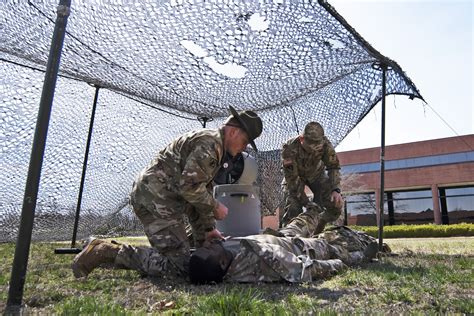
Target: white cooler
<point x="243" y="202"/>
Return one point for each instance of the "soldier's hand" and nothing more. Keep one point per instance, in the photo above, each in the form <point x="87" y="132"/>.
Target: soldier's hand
<point x="221" y="211"/>
<point x="214" y="234"/>
<point x="336" y="198"/>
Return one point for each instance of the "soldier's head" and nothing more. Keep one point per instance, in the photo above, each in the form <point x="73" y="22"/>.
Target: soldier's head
<point x="209" y="263"/>
<point x="312" y="138"/>
<point x="241" y="129"/>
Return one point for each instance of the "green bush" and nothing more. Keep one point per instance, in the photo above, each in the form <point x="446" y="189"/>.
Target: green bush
<point x="426" y="230"/>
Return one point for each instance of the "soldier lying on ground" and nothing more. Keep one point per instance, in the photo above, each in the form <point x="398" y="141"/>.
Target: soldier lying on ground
<point x="290" y="254"/>
<point x="247" y="259"/>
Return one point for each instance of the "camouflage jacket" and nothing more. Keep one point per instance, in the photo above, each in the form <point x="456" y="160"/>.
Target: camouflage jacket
<point x="301" y="166"/>
<point x="267" y="258"/>
<point x="183" y="172"/>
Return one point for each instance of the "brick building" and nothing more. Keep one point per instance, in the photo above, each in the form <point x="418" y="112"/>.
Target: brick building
<point x="425" y="182"/>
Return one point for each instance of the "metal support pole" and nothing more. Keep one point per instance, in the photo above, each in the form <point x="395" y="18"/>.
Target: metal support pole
<point x="345" y="212"/>
<point x="20" y="261"/>
<point x="382" y="159"/>
<point x="84" y="168"/>
<point x="73" y="248"/>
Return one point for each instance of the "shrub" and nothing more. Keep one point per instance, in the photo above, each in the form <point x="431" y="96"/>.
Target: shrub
<point x="426" y="230"/>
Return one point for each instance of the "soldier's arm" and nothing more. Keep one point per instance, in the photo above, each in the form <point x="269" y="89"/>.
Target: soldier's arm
<point x="197" y="173"/>
<point x="333" y="167"/>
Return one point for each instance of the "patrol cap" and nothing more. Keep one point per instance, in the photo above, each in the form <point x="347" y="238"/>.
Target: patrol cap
<point x="205" y="264"/>
<point x="313" y="132"/>
<point x="249" y="122"/>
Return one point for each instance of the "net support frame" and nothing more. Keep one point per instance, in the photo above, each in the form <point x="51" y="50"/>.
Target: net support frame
<point x="383" y="67"/>
<point x="73" y="248"/>
<point x="20" y="261"/>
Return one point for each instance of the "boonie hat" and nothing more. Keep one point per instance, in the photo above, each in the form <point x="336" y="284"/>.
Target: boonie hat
<point x="249" y="122"/>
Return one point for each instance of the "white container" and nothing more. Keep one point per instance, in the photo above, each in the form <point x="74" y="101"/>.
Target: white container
<point x="243" y="202"/>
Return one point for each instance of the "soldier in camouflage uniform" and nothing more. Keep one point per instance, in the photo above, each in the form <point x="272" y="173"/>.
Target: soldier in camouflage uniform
<point x="310" y="160"/>
<point x="293" y="256"/>
<point x="178" y="182"/>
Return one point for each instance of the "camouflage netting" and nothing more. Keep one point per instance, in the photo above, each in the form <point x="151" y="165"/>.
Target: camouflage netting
<point x="160" y="66"/>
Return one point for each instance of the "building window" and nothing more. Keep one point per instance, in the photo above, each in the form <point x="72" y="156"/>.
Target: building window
<point x="411" y="201"/>
<point x="361" y="209"/>
<point x="363" y="203"/>
<point x="409" y="207"/>
<point x="417" y="162"/>
<point x="412" y="207"/>
<point x="457" y="204"/>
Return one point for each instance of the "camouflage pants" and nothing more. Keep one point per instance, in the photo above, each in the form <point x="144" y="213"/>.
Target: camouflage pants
<point x="166" y="233"/>
<point x="350" y="246"/>
<point x="148" y="261"/>
<point x="195" y="229"/>
<point x="266" y="258"/>
<point x="322" y="190"/>
<point x="163" y="212"/>
<point x="306" y="224"/>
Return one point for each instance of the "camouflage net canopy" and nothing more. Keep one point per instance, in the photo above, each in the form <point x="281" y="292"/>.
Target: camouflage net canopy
<point x="160" y="66"/>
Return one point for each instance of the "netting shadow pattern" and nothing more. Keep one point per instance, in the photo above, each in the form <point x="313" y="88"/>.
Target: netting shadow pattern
<point x="160" y="65"/>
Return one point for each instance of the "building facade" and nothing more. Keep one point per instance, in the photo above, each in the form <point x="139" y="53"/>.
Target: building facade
<point x="424" y="182"/>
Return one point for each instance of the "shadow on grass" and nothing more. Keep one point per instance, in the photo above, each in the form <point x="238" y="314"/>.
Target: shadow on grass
<point x="391" y="267"/>
<point x="275" y="292"/>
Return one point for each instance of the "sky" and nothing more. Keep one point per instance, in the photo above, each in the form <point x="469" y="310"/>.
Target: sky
<point x="432" y="40"/>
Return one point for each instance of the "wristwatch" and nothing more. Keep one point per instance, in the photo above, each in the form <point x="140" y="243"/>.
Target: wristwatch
<point x="337" y="190"/>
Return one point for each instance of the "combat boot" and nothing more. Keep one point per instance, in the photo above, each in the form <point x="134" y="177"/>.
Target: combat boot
<point x="95" y="253"/>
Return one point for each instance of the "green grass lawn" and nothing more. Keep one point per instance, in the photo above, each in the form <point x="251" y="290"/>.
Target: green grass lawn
<point x="428" y="276"/>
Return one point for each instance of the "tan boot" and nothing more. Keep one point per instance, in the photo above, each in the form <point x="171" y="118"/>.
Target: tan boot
<point x="94" y="254"/>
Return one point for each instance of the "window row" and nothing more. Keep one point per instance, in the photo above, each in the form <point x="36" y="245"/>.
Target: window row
<point x="456" y="205"/>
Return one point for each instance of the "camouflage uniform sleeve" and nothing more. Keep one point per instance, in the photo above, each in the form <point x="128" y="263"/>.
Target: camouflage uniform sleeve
<point x="290" y="170"/>
<point x="332" y="165"/>
<point x="198" y="171"/>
